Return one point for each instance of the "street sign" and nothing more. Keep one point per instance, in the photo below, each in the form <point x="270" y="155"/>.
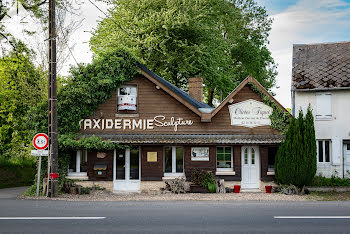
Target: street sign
<point x="39" y="152"/>
<point x="40" y="141"/>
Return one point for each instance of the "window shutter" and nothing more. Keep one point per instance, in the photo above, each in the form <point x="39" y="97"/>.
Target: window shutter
<point x="336" y="151"/>
<point x="323" y="105"/>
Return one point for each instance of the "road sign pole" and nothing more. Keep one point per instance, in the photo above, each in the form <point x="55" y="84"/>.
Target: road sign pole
<point x="38" y="180"/>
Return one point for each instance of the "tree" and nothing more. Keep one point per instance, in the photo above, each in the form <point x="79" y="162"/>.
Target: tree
<point x="222" y="41"/>
<point x="22" y="85"/>
<point x="296" y="157"/>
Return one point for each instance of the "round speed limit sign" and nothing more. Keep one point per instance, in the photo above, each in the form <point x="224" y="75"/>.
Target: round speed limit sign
<point x="40" y="141"/>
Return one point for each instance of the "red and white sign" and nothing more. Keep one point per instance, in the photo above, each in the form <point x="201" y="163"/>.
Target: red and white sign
<point x="41" y="141"/>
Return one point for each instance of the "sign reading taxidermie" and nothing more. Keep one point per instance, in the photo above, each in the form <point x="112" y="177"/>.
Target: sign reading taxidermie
<point x="250" y="113"/>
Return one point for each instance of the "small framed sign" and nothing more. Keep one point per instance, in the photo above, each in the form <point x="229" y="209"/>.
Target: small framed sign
<point x="200" y="153"/>
<point x="151" y="156"/>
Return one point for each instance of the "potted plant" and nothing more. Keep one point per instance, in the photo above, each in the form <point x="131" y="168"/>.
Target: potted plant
<point x="268" y="188"/>
<point x="197" y="178"/>
<point x="209" y="182"/>
<point x="237" y="188"/>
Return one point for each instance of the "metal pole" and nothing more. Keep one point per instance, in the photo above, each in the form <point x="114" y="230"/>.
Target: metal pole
<point x="38" y="180"/>
<point x="53" y="97"/>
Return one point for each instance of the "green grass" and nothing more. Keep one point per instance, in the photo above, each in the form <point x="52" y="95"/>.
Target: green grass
<point x="330" y="196"/>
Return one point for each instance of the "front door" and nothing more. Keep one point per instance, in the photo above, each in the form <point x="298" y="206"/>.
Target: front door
<point x="126" y="171"/>
<point x="347" y="160"/>
<point x="250" y="167"/>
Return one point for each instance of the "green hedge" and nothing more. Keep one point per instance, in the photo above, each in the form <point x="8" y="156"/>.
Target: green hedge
<point x="333" y="181"/>
<point x="16" y="172"/>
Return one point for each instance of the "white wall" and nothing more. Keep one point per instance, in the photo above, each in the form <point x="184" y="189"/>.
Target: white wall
<point x="335" y="129"/>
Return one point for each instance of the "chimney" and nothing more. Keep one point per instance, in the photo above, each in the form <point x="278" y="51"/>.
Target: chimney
<point x="195" y="88"/>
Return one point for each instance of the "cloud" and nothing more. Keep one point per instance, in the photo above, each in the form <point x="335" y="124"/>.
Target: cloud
<point x="305" y="22"/>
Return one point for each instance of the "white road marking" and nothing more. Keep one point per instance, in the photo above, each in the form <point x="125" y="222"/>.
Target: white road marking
<point x="312" y="217"/>
<point x="48" y="218"/>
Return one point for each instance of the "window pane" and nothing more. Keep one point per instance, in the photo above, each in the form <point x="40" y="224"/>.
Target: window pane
<point x="272" y="151"/>
<point x="219" y="150"/>
<point x="228" y="157"/>
<point x="246" y="156"/>
<point x="179" y="159"/>
<point x="220" y="157"/>
<point x="134" y="163"/>
<point x="228" y="150"/>
<point x="326" y="151"/>
<point x="228" y="164"/>
<point x="167" y="160"/>
<point x="121" y="165"/>
<point x="253" y="157"/>
<point x="320" y="151"/>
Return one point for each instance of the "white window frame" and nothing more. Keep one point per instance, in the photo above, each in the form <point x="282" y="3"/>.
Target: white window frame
<point x="216" y="158"/>
<point x="324" y="151"/>
<point x="173" y="162"/>
<point x="77" y="173"/>
<point x="137" y="97"/>
<point x="323" y="116"/>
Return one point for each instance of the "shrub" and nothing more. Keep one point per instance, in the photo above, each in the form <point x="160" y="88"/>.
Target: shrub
<point x="296" y="157"/>
<point x="333" y="181"/>
<point x="197" y="176"/>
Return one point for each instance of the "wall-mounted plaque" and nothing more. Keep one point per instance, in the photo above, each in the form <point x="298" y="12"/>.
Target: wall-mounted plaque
<point x="101" y="155"/>
<point x="151" y="156"/>
<point x="250" y="113"/>
<point x="200" y="153"/>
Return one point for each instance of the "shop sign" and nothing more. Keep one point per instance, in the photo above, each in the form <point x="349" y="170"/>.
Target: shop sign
<point x="250" y="113"/>
<point x="151" y="156"/>
<point x="133" y="124"/>
<point x="200" y="153"/>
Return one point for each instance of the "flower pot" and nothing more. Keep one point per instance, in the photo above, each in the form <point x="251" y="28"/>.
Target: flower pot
<point x="237" y="188"/>
<point x="197" y="189"/>
<point x="268" y="188"/>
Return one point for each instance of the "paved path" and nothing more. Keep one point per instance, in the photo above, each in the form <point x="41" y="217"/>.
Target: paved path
<point x="12" y="192"/>
<point x="172" y="216"/>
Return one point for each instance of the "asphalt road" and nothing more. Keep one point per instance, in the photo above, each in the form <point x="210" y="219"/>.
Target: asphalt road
<point x="175" y="216"/>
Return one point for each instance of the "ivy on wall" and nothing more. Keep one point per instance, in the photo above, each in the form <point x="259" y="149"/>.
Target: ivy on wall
<point x="279" y="118"/>
<point x="88" y="86"/>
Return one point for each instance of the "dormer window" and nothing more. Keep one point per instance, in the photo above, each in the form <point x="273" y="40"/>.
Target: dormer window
<point x="127" y="98"/>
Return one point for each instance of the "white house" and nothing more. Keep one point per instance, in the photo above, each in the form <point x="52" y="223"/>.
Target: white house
<point x="321" y="78"/>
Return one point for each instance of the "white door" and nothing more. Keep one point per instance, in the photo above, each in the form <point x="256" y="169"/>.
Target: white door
<point x="126" y="170"/>
<point x="347" y="160"/>
<point x="250" y="167"/>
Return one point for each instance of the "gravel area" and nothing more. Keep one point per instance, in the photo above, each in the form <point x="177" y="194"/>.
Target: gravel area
<point x="108" y="196"/>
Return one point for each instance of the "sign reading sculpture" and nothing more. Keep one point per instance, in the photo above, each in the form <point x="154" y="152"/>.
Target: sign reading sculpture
<point x="250" y="113"/>
<point x="132" y="124"/>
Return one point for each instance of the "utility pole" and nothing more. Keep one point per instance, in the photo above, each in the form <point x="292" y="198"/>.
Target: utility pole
<point x="52" y="89"/>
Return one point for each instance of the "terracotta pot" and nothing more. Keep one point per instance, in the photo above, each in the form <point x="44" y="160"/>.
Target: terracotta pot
<point x="268" y="188"/>
<point x="237" y="188"/>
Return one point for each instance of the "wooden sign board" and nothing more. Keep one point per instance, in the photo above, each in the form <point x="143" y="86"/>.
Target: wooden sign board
<point x="151" y="156"/>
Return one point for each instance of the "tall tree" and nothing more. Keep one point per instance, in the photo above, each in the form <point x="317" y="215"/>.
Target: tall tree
<point x="296" y="157"/>
<point x="21" y="86"/>
<point x="222" y="41"/>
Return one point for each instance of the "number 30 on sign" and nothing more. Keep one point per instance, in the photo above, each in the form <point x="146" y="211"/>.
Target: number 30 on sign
<point x="40" y="141"/>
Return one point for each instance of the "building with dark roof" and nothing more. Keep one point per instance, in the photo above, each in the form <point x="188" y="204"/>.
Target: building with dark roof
<point x="321" y="78"/>
<point x="168" y="133"/>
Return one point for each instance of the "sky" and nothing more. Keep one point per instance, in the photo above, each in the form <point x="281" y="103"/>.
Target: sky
<point x="294" y="22"/>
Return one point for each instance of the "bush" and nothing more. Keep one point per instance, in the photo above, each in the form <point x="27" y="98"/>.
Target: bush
<point x="197" y="176"/>
<point x="333" y="181"/>
<point x="296" y="157"/>
<point x="16" y="171"/>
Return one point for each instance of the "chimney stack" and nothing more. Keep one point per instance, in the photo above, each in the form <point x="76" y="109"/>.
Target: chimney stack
<point x="195" y="88"/>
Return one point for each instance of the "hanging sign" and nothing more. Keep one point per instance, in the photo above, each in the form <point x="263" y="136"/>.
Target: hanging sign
<point x="40" y="141"/>
<point x="200" y="153"/>
<point x="250" y="113"/>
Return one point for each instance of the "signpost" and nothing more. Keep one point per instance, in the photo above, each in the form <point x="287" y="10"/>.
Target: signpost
<point x="40" y="142"/>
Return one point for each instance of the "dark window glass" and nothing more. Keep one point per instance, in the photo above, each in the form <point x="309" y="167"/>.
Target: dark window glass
<point x="134" y="163"/>
<point x="179" y="159"/>
<point x="168" y="159"/>
<point x="121" y="165"/>
<point x="326" y="151"/>
<point x="272" y="151"/>
<point x="348" y="147"/>
<point x="320" y="151"/>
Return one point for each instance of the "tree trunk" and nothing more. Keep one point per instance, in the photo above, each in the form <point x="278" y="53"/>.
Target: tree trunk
<point x="210" y="97"/>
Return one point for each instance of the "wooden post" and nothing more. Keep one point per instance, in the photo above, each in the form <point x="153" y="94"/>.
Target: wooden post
<point x="52" y="115"/>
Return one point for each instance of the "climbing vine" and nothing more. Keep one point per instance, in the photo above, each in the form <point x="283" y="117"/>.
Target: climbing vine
<point x="279" y="118"/>
<point x="88" y="86"/>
